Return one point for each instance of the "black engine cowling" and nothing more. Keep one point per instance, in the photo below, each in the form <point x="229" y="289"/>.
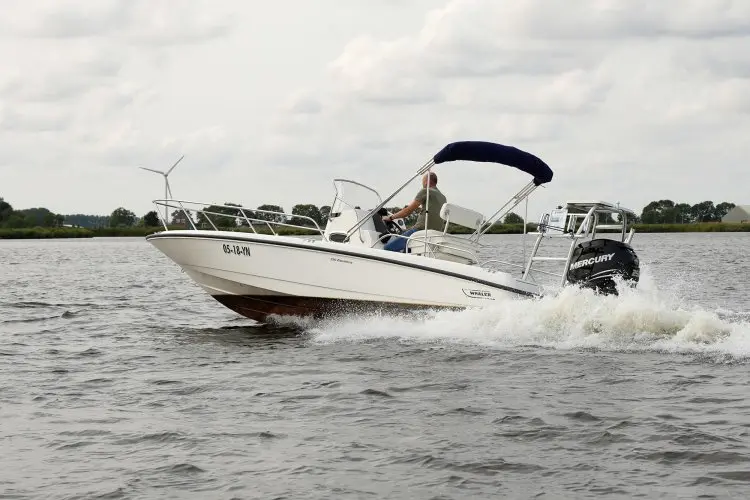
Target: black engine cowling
<point x="596" y="263"/>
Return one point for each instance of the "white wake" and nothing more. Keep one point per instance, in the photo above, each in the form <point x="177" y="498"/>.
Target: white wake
<point x="642" y="319"/>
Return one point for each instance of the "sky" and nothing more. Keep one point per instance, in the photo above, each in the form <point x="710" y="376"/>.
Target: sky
<point x="627" y="101"/>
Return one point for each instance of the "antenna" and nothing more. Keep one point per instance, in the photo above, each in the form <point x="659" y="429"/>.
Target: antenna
<point x="167" y="188"/>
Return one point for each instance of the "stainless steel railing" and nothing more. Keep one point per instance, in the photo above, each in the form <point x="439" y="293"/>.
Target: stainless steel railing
<point x="248" y="215"/>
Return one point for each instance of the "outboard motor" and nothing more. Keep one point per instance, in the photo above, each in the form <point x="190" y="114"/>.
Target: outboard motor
<point x="596" y="263"/>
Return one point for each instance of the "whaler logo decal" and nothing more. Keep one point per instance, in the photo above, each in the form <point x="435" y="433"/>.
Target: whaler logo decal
<point x="592" y="260"/>
<point x="478" y="294"/>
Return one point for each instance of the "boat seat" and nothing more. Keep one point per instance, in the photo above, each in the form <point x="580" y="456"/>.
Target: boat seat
<point x="445" y="246"/>
<point x="441" y="245"/>
<point x="465" y="217"/>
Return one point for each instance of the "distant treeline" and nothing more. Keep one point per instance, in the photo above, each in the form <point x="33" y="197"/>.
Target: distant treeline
<point x="657" y="216"/>
<point x="79" y="232"/>
<point x="90" y="221"/>
<point x="29" y="217"/>
<point x="141" y="231"/>
<point x="41" y="217"/>
<point x="669" y="212"/>
<point x="656" y="212"/>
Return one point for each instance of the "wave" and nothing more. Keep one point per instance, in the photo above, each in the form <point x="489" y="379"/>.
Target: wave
<point x="641" y="319"/>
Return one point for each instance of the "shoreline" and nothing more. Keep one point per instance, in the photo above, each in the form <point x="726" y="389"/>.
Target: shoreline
<point x="76" y="232"/>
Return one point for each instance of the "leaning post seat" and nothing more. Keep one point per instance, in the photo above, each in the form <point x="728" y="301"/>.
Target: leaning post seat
<point x="444" y="246"/>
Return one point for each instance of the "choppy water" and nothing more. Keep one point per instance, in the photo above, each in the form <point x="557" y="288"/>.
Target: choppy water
<point x="119" y="378"/>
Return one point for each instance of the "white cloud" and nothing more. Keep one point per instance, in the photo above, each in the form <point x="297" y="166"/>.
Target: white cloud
<point x="629" y="100"/>
<point x="624" y="100"/>
<point x="153" y="22"/>
<point x="302" y="103"/>
<point x="78" y="95"/>
<point x="34" y="119"/>
<point x="592" y="19"/>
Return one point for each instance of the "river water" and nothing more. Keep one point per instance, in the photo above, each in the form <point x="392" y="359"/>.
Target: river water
<point x="120" y="378"/>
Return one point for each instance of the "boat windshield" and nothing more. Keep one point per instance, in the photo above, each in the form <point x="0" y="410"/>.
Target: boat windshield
<point x="351" y="194"/>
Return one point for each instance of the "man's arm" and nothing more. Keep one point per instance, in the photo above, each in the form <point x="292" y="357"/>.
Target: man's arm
<point x="404" y="212"/>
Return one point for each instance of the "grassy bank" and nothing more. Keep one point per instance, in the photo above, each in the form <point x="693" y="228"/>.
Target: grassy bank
<point x="77" y="232"/>
<point x="44" y="232"/>
<point x="73" y="232"/>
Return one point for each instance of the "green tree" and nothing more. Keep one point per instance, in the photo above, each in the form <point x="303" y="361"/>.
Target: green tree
<point x="49" y="220"/>
<point x="659" y="212"/>
<point x="704" y="211"/>
<point x="39" y="216"/>
<point x="121" y="217"/>
<point x="16" y="220"/>
<point x="325" y="211"/>
<point x="667" y="212"/>
<point x="221" y="216"/>
<point x="607" y="219"/>
<point x="5" y="210"/>
<point x="179" y="218"/>
<point x="151" y="219"/>
<point x="306" y="210"/>
<point x="683" y="214"/>
<point x="244" y="215"/>
<point x="513" y="218"/>
<point x="11" y="218"/>
<point x="649" y="213"/>
<point x="722" y="209"/>
<point x="277" y="217"/>
<point x="91" y="221"/>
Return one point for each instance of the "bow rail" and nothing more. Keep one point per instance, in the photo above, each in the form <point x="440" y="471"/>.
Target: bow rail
<point x="239" y="216"/>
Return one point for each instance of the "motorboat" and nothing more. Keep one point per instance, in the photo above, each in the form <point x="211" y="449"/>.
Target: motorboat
<point x="239" y="256"/>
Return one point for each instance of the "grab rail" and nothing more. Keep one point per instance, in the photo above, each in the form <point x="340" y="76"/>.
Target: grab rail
<point x="239" y="212"/>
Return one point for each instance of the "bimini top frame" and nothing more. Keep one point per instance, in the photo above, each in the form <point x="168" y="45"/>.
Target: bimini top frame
<point x="478" y="151"/>
<point x="578" y="220"/>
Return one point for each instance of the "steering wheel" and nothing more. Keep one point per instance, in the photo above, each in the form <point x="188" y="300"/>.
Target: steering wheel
<point x="394" y="227"/>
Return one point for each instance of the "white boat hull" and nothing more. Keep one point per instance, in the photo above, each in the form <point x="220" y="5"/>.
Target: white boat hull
<point x="260" y="275"/>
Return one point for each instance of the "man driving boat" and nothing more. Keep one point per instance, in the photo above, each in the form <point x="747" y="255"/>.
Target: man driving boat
<point x="432" y="215"/>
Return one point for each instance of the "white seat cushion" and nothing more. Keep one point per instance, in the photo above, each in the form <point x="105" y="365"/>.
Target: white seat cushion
<point x="462" y="216"/>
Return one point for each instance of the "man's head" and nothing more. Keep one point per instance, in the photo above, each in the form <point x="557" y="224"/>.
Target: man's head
<point x="433" y="179"/>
